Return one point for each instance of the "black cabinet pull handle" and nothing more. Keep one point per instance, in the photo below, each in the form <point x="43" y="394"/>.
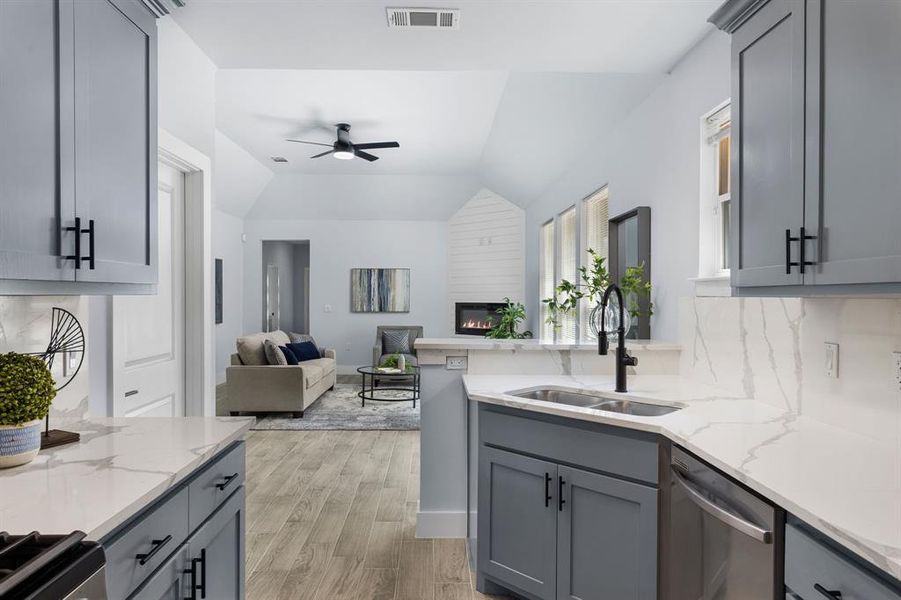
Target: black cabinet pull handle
<point x="560" y="500"/>
<point x="547" y="490"/>
<point x="77" y="256"/>
<point x="203" y="573"/>
<point x="228" y="480"/>
<point x="155" y="547"/>
<point x="193" y="573"/>
<point x="789" y="263"/>
<point x="834" y="594"/>
<point x="90" y="257"/>
<point x="802" y="258"/>
<point x="130" y="393"/>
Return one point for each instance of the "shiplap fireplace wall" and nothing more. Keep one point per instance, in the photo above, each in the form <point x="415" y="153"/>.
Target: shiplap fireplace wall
<point x="486" y="252"/>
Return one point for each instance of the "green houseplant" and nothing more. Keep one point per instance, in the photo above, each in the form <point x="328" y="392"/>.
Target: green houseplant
<point x="26" y="391"/>
<point x="594" y="280"/>
<point x="391" y="362"/>
<point x="511" y="315"/>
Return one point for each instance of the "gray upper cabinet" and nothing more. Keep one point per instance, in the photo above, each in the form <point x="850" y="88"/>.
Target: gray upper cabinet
<point x="115" y="139"/>
<point x="853" y="156"/>
<point x="816" y="140"/>
<point x="518" y="520"/>
<point x="78" y="204"/>
<point x="606" y="538"/>
<point x="768" y="143"/>
<point x="35" y="202"/>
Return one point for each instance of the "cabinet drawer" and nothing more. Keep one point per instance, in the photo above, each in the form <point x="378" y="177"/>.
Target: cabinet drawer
<point x="167" y="523"/>
<point x="588" y="445"/>
<point x="215" y="484"/>
<point x="809" y="563"/>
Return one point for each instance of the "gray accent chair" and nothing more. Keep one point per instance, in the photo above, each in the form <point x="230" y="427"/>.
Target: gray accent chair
<point x="256" y="386"/>
<point x="415" y="332"/>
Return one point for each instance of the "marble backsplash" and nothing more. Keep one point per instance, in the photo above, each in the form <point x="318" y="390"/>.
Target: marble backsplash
<point x="773" y="350"/>
<point x="25" y="327"/>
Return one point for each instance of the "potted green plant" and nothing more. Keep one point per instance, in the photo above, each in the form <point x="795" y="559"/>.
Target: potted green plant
<point x="26" y="391"/>
<point x="594" y="280"/>
<point x="511" y="315"/>
<point x="392" y="361"/>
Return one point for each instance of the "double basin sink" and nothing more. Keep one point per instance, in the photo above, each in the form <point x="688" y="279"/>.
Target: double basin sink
<point x="596" y="402"/>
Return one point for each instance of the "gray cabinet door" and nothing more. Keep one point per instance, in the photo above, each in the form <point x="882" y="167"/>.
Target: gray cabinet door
<point x="606" y="538"/>
<point x="518" y="521"/>
<point x="767" y="143"/>
<point x="169" y="582"/>
<point x="115" y="138"/>
<point x="36" y="197"/>
<point x="854" y="140"/>
<point x="218" y="549"/>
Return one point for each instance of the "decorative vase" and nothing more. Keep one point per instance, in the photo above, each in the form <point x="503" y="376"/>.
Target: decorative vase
<point x="611" y="319"/>
<point x="402" y="362"/>
<point x="19" y="444"/>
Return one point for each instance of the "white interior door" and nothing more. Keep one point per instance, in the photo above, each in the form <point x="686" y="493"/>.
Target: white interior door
<point x="149" y="331"/>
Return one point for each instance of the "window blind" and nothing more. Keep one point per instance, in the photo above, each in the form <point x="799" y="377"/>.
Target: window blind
<point x="595" y="217"/>
<point x="546" y="275"/>
<point x="568" y="264"/>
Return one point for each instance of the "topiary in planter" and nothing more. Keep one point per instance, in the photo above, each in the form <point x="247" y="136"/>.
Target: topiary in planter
<point x="26" y="389"/>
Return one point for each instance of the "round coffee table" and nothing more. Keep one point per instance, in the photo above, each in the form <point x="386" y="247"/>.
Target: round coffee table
<point x="395" y="379"/>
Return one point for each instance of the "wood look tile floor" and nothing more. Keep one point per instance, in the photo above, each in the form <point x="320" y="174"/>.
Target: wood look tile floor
<point x="331" y="515"/>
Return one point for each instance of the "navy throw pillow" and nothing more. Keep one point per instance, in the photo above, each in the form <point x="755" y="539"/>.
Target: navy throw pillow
<point x="304" y="351"/>
<point x="289" y="356"/>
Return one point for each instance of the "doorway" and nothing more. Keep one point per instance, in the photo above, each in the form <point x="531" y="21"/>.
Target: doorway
<point x="150" y="330"/>
<point x="286" y="285"/>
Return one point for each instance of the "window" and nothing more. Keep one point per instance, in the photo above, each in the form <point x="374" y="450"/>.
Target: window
<point x="567" y="269"/>
<point x="716" y="192"/>
<point x="546" y="275"/>
<point x="594" y="236"/>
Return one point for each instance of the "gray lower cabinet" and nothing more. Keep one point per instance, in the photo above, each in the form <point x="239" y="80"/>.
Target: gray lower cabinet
<point x="518" y="521"/>
<point x="548" y="530"/>
<point x="606" y="538"/>
<point x="78" y="118"/>
<point x="185" y="546"/>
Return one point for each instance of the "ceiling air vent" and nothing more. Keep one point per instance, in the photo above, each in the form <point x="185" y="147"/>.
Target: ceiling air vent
<point x="423" y="18"/>
<point x="279" y="159"/>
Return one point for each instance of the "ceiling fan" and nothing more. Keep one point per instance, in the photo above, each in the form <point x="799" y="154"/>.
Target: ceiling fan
<point x="344" y="149"/>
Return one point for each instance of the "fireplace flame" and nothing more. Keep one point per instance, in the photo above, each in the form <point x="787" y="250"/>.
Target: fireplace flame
<point x="476" y="324"/>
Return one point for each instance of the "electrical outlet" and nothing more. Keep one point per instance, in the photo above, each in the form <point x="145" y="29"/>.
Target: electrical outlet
<point x="455" y="363"/>
<point x="897" y="356"/>
<point x="832" y="360"/>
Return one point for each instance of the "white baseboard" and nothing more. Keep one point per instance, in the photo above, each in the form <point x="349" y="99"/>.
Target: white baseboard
<point x="441" y="524"/>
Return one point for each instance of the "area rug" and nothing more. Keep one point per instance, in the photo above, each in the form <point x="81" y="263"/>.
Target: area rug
<point x="340" y="409"/>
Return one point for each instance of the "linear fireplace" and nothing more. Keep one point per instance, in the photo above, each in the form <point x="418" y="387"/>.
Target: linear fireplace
<point x="475" y="318"/>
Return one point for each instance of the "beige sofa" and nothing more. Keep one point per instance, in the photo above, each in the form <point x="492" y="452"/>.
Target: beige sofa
<point x="256" y="386"/>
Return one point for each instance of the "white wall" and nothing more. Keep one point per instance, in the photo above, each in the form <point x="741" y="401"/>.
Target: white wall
<point x="335" y="248"/>
<point x="651" y="158"/>
<point x="239" y="177"/>
<point x="485" y="252"/>
<point x="227" y="245"/>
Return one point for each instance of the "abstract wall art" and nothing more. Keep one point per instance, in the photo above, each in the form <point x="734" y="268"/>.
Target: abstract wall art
<point x="380" y="290"/>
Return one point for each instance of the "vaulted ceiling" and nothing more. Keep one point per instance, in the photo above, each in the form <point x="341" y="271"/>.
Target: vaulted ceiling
<point x="506" y="101"/>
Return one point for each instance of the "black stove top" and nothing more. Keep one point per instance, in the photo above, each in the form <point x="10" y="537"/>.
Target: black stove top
<point x="37" y="567"/>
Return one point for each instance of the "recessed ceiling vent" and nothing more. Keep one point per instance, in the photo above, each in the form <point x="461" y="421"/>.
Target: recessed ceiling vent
<point x="423" y="18"/>
<point x="279" y="159"/>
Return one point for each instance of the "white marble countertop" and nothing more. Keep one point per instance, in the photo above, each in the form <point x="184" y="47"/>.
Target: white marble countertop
<point x="846" y="485"/>
<point x="119" y="466"/>
<point x="482" y="343"/>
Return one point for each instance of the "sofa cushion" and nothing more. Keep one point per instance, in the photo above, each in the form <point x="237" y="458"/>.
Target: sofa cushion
<point x="396" y="341"/>
<point x="304" y="351"/>
<point x="314" y="370"/>
<point x="289" y="356"/>
<point x="250" y="347"/>
<point x="274" y="354"/>
<point x="297" y="338"/>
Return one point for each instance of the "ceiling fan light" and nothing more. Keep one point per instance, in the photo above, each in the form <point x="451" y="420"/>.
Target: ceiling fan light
<point x="343" y="154"/>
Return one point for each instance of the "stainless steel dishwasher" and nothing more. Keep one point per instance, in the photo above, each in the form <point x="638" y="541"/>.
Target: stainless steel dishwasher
<point x="725" y="542"/>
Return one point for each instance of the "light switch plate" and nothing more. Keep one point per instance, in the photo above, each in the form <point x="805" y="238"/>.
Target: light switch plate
<point x="455" y="363"/>
<point x="832" y="360"/>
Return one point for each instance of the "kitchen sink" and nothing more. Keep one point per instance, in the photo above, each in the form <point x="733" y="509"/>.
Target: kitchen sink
<point x="597" y="402"/>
